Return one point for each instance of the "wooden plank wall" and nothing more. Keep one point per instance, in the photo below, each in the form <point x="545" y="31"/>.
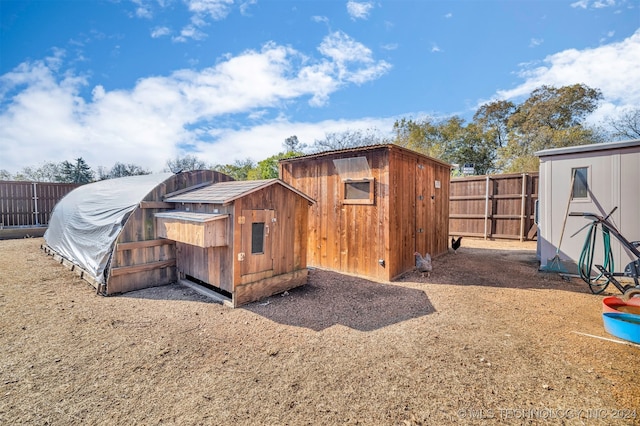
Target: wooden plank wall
<point x="419" y="211"/>
<point x="147" y="265"/>
<point x="494" y="206"/>
<point x="30" y="203"/>
<point x="343" y="237"/>
<point x="354" y="238"/>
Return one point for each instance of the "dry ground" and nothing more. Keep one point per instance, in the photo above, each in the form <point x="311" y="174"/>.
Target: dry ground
<point x="485" y="339"/>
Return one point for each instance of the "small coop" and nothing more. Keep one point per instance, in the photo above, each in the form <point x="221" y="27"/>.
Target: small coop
<point x="375" y="207"/>
<point x="247" y="239"/>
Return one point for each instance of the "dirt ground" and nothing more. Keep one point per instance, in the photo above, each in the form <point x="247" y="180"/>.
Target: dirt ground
<point x="485" y="339"/>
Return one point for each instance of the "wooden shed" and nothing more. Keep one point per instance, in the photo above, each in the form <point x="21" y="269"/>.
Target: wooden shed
<point x="106" y="231"/>
<point x="248" y="239"/>
<point x="375" y="207"/>
<point x="606" y="176"/>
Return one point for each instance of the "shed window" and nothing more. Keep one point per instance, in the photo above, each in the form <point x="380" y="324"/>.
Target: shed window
<point x="257" y="237"/>
<point x="580" y="183"/>
<point x="358" y="191"/>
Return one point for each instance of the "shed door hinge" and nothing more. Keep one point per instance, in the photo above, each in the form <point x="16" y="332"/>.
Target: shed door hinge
<point x="240" y="257"/>
<point x="241" y="220"/>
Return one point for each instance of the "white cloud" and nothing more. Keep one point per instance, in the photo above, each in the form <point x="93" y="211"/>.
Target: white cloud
<point x="613" y="68"/>
<point x="359" y="10"/>
<point x="594" y="4"/>
<point x="535" y="42"/>
<point x="160" y="32"/>
<point x="449" y="15"/>
<point x="215" y="9"/>
<point x="44" y="117"/>
<point x="435" y="48"/>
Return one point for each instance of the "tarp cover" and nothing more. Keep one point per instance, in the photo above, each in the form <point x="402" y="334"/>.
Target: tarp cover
<point x="85" y="224"/>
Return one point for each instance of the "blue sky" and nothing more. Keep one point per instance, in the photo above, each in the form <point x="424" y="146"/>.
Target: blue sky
<point x="142" y="81"/>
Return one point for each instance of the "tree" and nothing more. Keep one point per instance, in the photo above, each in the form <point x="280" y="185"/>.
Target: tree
<point x="239" y="170"/>
<point x="184" y="164"/>
<point x="346" y="139"/>
<point x="627" y="125"/>
<point x="122" y="170"/>
<point x="292" y="144"/>
<point x="47" y="172"/>
<point x="550" y="118"/>
<point x="5" y="175"/>
<point x="78" y="172"/>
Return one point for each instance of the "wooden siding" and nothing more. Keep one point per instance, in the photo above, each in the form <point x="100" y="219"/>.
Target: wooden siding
<point x="356" y="238"/>
<point x="419" y="209"/>
<point x="141" y="226"/>
<point x="202" y="234"/>
<point x="30" y="203"/>
<point x="288" y="233"/>
<point x="494" y="206"/>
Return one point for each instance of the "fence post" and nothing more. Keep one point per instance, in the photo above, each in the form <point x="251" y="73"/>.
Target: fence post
<point x="486" y="207"/>
<point x="523" y="204"/>
<point x="36" y="214"/>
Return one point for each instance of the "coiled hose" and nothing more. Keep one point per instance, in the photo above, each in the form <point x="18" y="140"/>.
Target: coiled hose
<point x="599" y="282"/>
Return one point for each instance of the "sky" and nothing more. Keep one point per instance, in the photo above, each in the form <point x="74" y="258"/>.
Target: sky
<point x="144" y="81"/>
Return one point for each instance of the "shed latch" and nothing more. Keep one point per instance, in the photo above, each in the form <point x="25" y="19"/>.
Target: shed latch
<point x="241" y="220"/>
<point x="240" y="257"/>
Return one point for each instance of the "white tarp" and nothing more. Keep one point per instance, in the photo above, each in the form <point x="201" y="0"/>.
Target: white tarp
<point x="85" y="224"/>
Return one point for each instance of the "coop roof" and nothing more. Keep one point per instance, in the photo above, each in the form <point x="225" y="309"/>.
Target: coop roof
<point x="85" y="224"/>
<point x="227" y="192"/>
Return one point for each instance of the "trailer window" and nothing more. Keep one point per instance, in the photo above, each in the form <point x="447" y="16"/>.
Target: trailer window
<point x="580" y="182"/>
<point x="257" y="237"/>
<point x="358" y="191"/>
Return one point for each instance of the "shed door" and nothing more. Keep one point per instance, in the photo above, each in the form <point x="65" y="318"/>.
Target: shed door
<point x="424" y="208"/>
<point x="256" y="241"/>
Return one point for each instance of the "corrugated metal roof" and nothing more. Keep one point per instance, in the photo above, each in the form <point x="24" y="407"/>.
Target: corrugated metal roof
<point x="226" y="192"/>
<point x="588" y="148"/>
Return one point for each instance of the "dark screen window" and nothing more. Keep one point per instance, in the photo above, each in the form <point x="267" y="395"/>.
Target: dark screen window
<point x="257" y="237"/>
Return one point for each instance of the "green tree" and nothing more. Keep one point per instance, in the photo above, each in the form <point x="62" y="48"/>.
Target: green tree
<point x="239" y="170"/>
<point x="78" y="172"/>
<point x="550" y="118"/>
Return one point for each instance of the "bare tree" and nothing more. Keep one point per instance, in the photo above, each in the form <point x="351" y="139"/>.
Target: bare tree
<point x="627" y="125"/>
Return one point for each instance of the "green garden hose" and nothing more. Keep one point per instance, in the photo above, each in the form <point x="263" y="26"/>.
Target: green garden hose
<point x="599" y="282"/>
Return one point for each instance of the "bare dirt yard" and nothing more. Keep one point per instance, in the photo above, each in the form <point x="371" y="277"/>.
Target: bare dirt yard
<point x="485" y="339"/>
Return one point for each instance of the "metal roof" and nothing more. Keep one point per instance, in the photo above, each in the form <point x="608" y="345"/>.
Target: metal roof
<point x="226" y="192"/>
<point x="589" y="148"/>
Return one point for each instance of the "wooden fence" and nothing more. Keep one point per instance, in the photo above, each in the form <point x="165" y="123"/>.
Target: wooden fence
<point x="494" y="206"/>
<point x="24" y="204"/>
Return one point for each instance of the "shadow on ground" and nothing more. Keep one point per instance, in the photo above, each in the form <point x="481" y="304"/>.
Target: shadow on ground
<point x="330" y="298"/>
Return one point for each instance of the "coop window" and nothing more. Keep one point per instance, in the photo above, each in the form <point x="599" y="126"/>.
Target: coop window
<point x="257" y="237"/>
<point x="358" y="191"/>
<point x="580" y="183"/>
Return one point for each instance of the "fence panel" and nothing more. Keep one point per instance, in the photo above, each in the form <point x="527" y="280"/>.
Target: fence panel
<point x="494" y="206"/>
<point x="30" y="203"/>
